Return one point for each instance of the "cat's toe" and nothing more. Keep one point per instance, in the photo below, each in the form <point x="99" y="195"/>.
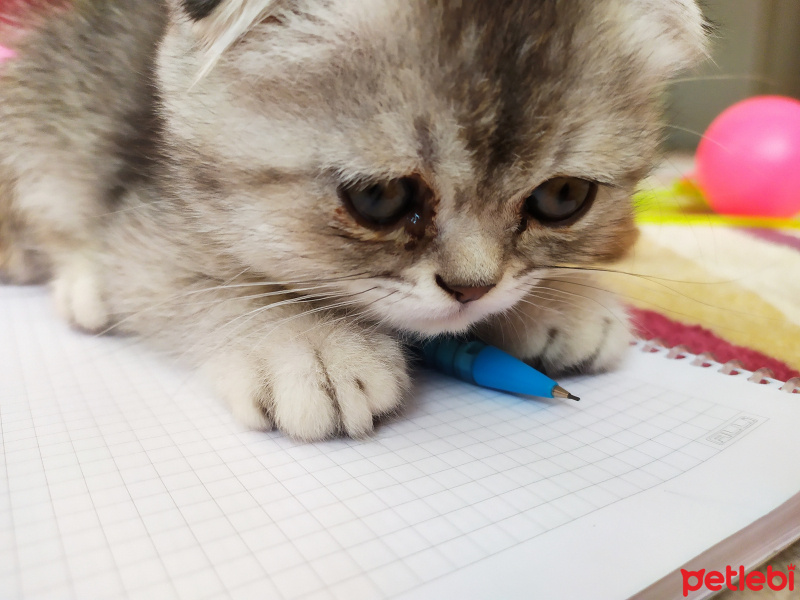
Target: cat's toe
<point x="316" y="386"/>
<point x="582" y="336"/>
<point x="593" y="346"/>
<point x="242" y="385"/>
<point x="338" y="383"/>
<point x="78" y="296"/>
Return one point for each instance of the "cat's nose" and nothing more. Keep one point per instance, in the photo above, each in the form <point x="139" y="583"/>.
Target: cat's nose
<point x="464" y="294"/>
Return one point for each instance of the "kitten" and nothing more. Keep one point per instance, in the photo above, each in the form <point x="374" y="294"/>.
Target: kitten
<point x="279" y="190"/>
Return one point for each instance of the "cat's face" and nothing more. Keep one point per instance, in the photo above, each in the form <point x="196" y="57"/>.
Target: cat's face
<point x="410" y="155"/>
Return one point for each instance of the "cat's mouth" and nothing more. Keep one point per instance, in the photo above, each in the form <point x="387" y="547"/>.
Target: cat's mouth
<point x="452" y="317"/>
<point x="430" y="310"/>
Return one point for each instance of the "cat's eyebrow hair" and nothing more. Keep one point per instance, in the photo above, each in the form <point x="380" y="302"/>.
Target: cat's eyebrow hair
<point x="272" y="176"/>
<point x="425" y="143"/>
<point x="390" y="276"/>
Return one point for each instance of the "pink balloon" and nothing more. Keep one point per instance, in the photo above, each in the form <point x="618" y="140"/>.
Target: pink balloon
<point x="748" y="162"/>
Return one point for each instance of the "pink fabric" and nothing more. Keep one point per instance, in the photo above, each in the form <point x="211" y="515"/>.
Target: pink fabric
<point x="6" y="53"/>
<point x="652" y="325"/>
<point x="17" y="15"/>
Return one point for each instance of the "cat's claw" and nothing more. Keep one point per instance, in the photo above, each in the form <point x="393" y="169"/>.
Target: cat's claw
<point x="316" y="384"/>
<point x="569" y="328"/>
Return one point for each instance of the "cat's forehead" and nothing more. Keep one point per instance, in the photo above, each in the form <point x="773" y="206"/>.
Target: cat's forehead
<point x="531" y="93"/>
<point x="497" y="92"/>
<point x="545" y="88"/>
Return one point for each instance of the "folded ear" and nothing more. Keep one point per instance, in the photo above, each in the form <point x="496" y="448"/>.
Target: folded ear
<point x="218" y="24"/>
<point x="672" y="33"/>
<point x="200" y="9"/>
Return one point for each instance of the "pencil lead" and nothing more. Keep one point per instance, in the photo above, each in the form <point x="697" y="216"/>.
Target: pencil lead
<point x="559" y="392"/>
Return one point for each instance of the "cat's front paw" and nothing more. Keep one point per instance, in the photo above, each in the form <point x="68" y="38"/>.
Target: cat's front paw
<point x="564" y="327"/>
<point x="78" y="295"/>
<point x="330" y="380"/>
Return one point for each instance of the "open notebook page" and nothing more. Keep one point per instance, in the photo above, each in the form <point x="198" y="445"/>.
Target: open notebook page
<point x="126" y="479"/>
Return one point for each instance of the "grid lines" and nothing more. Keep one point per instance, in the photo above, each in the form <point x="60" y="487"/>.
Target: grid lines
<point x="127" y="480"/>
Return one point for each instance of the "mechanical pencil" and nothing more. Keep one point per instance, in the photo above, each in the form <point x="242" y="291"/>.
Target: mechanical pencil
<point x="478" y="363"/>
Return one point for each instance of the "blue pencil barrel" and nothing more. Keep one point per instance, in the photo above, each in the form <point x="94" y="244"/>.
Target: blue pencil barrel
<point x="452" y="357"/>
<point x="498" y="370"/>
<point x="486" y="366"/>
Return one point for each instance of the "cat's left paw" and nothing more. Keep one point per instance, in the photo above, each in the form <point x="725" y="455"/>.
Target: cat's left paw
<point x="563" y="328"/>
<point x="77" y="293"/>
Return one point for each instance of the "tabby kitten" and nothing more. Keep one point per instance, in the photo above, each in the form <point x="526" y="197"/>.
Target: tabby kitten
<point x="279" y="190"/>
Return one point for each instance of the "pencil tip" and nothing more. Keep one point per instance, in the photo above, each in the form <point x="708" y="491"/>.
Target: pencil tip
<point x="560" y="392"/>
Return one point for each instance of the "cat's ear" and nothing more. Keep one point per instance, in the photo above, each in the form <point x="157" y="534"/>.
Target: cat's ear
<point x="216" y="19"/>
<point x="218" y="24"/>
<point x="673" y="34"/>
<point x="200" y="9"/>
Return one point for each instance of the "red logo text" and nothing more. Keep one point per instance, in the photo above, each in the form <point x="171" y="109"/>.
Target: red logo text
<point x="737" y="580"/>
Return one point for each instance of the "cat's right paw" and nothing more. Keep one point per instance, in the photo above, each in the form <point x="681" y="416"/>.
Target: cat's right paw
<point x="334" y="379"/>
<point x="564" y="327"/>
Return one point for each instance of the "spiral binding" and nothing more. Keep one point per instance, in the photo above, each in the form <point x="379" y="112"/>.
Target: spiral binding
<point x="732" y="368"/>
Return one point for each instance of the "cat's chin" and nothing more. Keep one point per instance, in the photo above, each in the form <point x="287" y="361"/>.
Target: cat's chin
<point x="458" y="321"/>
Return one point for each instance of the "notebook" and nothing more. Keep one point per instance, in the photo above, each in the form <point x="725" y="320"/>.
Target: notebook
<point x="125" y="478"/>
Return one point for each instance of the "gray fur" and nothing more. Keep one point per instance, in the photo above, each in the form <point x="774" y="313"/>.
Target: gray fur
<point x="182" y="186"/>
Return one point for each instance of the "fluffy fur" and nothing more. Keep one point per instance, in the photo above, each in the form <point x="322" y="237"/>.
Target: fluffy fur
<point x="174" y="171"/>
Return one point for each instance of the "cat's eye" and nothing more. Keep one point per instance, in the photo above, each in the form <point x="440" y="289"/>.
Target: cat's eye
<point x="380" y="204"/>
<point x="560" y="201"/>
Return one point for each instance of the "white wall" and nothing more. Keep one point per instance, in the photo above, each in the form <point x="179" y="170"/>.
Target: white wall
<point x="756" y="51"/>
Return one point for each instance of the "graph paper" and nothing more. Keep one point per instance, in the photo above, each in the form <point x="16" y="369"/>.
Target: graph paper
<point x="124" y="478"/>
